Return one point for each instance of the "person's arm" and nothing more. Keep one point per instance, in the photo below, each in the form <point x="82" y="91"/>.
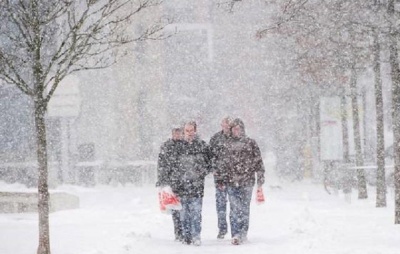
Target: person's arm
<point x="205" y="153"/>
<point x="213" y="154"/>
<point x="161" y="167"/>
<point x="258" y="165"/>
<point x="209" y="159"/>
<point x="177" y="175"/>
<point x="217" y="166"/>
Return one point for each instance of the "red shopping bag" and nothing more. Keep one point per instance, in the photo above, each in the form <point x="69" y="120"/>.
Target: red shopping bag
<point x="168" y="200"/>
<point x="163" y="209"/>
<point x="260" y="196"/>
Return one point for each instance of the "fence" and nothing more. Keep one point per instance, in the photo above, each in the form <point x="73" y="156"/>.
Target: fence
<point x="344" y="176"/>
<point x="88" y="173"/>
<point x="99" y="172"/>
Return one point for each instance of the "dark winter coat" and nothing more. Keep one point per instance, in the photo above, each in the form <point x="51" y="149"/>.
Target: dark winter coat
<point x="245" y="162"/>
<point x="219" y="155"/>
<point x="195" y="164"/>
<point x="168" y="164"/>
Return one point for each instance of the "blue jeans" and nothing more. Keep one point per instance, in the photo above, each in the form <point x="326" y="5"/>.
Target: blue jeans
<point x="239" y="199"/>
<point x="191" y="217"/>
<point x="221" y="196"/>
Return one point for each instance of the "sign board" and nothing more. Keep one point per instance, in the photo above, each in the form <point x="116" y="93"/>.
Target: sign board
<point x="65" y="101"/>
<point x="331" y="129"/>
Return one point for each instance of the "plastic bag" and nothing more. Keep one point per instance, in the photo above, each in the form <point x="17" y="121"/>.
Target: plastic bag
<point x="168" y="200"/>
<point x="163" y="209"/>
<point x="260" y="199"/>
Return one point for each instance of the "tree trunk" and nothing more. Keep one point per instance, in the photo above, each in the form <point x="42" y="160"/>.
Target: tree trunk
<point x="380" y="134"/>
<point x="318" y="128"/>
<point x="345" y="131"/>
<point x="362" y="185"/>
<point x="347" y="175"/>
<point x="43" y="188"/>
<point x="395" y="74"/>
<point x="366" y="153"/>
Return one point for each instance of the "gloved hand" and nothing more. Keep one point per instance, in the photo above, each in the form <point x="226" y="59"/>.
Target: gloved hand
<point x="260" y="195"/>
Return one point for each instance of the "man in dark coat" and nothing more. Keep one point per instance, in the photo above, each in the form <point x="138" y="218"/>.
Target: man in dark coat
<point x="244" y="164"/>
<point x="195" y="165"/>
<point x="218" y="148"/>
<point x="168" y="173"/>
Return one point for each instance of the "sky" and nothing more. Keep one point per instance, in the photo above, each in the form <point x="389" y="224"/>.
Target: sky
<point x="296" y="218"/>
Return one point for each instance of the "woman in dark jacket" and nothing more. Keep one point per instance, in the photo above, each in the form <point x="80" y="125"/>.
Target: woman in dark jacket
<point x="244" y="164"/>
<point x="168" y="173"/>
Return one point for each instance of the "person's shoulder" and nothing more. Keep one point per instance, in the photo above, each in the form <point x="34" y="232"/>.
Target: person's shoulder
<point x="167" y="142"/>
<point x="170" y="144"/>
<point x="204" y="147"/>
<point x="215" y="136"/>
<point x="201" y="142"/>
<point x="251" y="141"/>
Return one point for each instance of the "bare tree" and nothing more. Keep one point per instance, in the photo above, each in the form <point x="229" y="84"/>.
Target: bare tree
<point x="321" y="30"/>
<point x="325" y="51"/>
<point x="395" y="75"/>
<point x="370" y="23"/>
<point x="43" y="41"/>
<point x="362" y="185"/>
<point x="380" y="132"/>
<point x="227" y="4"/>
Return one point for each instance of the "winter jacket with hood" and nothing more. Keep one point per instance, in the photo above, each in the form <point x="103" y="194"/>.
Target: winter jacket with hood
<point x="244" y="161"/>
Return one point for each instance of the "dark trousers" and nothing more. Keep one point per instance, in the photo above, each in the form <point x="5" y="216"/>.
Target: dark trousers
<point x="221" y="196"/>
<point x="176" y="218"/>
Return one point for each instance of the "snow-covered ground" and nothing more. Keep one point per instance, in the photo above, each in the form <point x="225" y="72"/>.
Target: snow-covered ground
<point x="296" y="218"/>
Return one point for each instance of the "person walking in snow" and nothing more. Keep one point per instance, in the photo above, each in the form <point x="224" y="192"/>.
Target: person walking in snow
<point x="218" y="148"/>
<point x="168" y="173"/>
<point x="244" y="164"/>
<point x="195" y="165"/>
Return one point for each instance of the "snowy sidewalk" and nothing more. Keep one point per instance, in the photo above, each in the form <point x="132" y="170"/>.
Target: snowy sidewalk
<point x="299" y="218"/>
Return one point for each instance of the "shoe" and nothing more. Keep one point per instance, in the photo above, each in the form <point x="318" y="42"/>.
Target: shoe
<point x="243" y="237"/>
<point x="221" y="235"/>
<point x="197" y="242"/>
<point x="178" y="238"/>
<point x="235" y="240"/>
<point x="187" y="241"/>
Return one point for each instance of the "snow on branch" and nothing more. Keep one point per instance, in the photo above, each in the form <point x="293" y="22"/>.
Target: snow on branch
<point x="41" y="42"/>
